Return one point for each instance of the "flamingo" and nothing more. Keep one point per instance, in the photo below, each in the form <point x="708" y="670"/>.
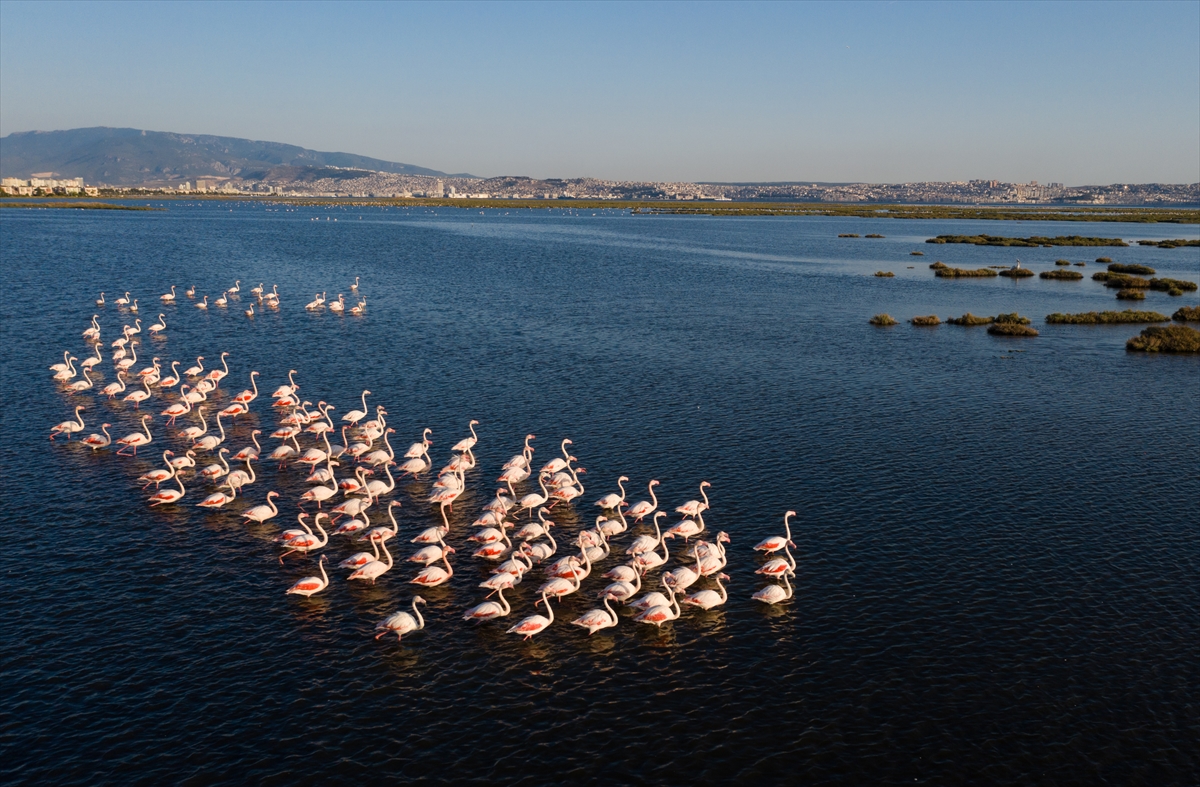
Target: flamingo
<point x="694" y="507"/>
<point x="203" y="304"/>
<point x="68" y="373"/>
<point x="402" y="622"/>
<point x="360" y="559"/>
<point x="595" y="619"/>
<point x="94" y="360"/>
<point x="216" y="375"/>
<point x="683" y="577"/>
<point x="421" y="448"/>
<point x="136" y="440"/>
<point x="223" y="300"/>
<point x="707" y="599"/>
<point x="137" y="397"/>
<point x="432" y="576"/>
<point x="776" y="543"/>
<point x="194" y="433"/>
<point x="64" y="366"/>
<point x="645" y="507"/>
<point x="558" y="462"/>
<point x="198" y="369"/>
<point x="612" y="500"/>
<point x="533" y="500"/>
<point x="338" y="306"/>
<point x="218" y="499"/>
<point x="249" y="452"/>
<point x="159" y="475"/>
<point x="168" y="297"/>
<point x="534" y="624"/>
<point x="164" y="496"/>
<point x="354" y="416"/>
<point x="190" y="291"/>
<point x="561" y="586"/>
<point x="522" y="459"/>
<point x="211" y="441"/>
<point x="310" y="585"/>
<point x="467" y="443"/>
<point x="645" y="543"/>
<point x="248" y="396"/>
<point x="181" y="463"/>
<point x="250" y="312"/>
<point x="159" y="326"/>
<point x="779" y="565"/>
<point x="81" y="385"/>
<point x="112" y="389"/>
<point x="100" y="300"/>
<point x="215" y="471"/>
<point x="121" y="301"/>
<point x="354" y="286"/>
<point x="92" y="333"/>
<point x="661" y="613"/>
<point x="308" y="542"/>
<point x="774" y="594"/>
<point x="376" y="568"/>
<point x="623" y="589"/>
<point x="430" y="535"/>
<point x="489" y="610"/>
<point x="172" y="380"/>
<point x="95" y="441"/>
<point x="645" y="561"/>
<point x="687" y="528"/>
<point x="134" y="306"/>
<point x="322" y="493"/>
<point x="264" y="512"/>
<point x="240" y="478"/>
<point x="257" y="291"/>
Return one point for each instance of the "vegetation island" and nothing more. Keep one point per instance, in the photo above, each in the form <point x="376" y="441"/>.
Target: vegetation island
<point x="944" y="271"/>
<point x="1062" y="262"/>
<point x="1166" y="339"/>
<point x="847" y="235"/>
<point x="882" y="320"/>
<point x="1033" y="241"/>
<point x="1116" y="267"/>
<point x="970" y="319"/>
<point x="874" y="235"/>
<point x="1104" y="318"/>
<point x="926" y="321"/>
<point x="1062" y="275"/>
<point x="1011" y="325"/>
<point x="884" y="274"/>
<point x="73" y="205"/>
<point x="1131" y="295"/>
<point x="1016" y="273"/>
<point x="1165" y="244"/>
<point x="1187" y="314"/>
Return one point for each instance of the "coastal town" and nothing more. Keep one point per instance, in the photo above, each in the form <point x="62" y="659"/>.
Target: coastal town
<point x="332" y="182"/>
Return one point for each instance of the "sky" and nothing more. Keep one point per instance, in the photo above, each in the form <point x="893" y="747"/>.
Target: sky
<point x="1079" y="92"/>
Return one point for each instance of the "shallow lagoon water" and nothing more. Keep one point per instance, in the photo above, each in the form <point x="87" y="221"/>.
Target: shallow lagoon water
<point x="997" y="538"/>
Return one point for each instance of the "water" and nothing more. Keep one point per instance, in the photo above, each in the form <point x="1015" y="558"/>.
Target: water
<point x="997" y="538"/>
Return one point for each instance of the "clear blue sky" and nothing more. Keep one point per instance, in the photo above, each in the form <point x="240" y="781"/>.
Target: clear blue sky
<point x="890" y="91"/>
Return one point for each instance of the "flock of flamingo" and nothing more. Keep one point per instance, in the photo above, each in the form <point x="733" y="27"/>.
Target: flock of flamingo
<point x="513" y="532"/>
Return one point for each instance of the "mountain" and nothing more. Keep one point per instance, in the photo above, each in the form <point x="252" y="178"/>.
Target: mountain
<point x="131" y="157"/>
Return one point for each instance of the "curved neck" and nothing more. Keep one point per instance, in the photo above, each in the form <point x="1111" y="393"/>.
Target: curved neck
<point x="503" y="601"/>
<point x="653" y="497"/>
<point x="417" y="612"/>
<point x="549" y="609"/>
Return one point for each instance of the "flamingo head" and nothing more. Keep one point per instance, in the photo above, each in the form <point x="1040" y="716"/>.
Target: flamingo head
<point x="654" y="482"/>
<point x="396" y="503"/>
<point x="705" y="483"/>
<point x="723" y="576"/>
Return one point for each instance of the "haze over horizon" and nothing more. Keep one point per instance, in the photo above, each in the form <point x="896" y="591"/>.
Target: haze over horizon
<point x="868" y="92"/>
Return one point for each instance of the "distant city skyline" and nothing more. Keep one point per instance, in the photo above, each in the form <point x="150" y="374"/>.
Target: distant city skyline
<point x="814" y="92"/>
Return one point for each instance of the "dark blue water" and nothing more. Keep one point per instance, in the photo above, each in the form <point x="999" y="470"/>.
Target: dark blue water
<point x="997" y="538"/>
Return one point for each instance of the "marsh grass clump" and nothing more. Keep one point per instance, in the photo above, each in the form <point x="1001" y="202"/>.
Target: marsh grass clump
<point x="884" y="274"/>
<point x="1012" y="318"/>
<point x="1166" y="339"/>
<point x="971" y="319"/>
<point x="928" y="320"/>
<point x="1187" y="314"/>
<point x="1167" y="285"/>
<point x="1011" y="329"/>
<point x="882" y="320"/>
<point x="1131" y="295"/>
<point x="873" y="235"/>
<point x="938" y="264"/>
<point x="1104" y="259"/>
<point x="1033" y="241"/>
<point x="1016" y="273"/>
<point x="1144" y="270"/>
<point x="1081" y="264"/>
<point x="1061" y="274"/>
<point x="847" y="235"/>
<point x="946" y="272"/>
<point x="1062" y="262"/>
<point x="1104" y="318"/>
<point x="917" y="253"/>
